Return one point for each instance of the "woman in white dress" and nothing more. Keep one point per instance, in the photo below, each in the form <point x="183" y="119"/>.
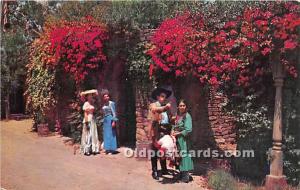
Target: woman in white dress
<point x="89" y="139"/>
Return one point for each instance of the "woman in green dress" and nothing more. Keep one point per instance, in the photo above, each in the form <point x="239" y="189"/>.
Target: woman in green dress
<point x="182" y="129"/>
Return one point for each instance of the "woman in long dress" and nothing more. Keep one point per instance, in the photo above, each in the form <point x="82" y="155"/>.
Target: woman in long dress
<point x="89" y="138"/>
<point x="182" y="129"/>
<point x="109" y="123"/>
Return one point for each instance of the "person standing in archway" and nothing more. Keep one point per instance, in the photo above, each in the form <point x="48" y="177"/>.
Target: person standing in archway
<point x="181" y="130"/>
<point x="109" y="123"/>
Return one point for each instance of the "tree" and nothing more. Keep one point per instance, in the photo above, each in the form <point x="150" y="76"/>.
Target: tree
<point x="13" y="61"/>
<point x="25" y="21"/>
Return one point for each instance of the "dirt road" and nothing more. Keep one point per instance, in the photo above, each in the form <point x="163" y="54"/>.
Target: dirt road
<point x="29" y="162"/>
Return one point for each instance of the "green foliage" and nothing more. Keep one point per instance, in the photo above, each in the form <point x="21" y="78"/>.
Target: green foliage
<point x="221" y="180"/>
<point x="13" y="60"/>
<point x="138" y="63"/>
<point x="141" y="14"/>
<point x="75" y="10"/>
<point x="15" y="43"/>
<point x="251" y="119"/>
<point x="138" y="15"/>
<point x="29" y="16"/>
<point x="218" y="12"/>
<point x="149" y="14"/>
<point x="74" y="122"/>
<point x="254" y="130"/>
<point x="291" y="120"/>
<point x="291" y="160"/>
<point x="254" y="111"/>
<point x="41" y="86"/>
<point x="123" y="16"/>
<point x="34" y="10"/>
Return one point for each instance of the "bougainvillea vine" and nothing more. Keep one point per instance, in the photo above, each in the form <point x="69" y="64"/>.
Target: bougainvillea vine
<point x="78" y="46"/>
<point x="234" y="51"/>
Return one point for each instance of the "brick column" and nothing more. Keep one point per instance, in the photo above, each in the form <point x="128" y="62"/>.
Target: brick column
<point x="223" y="128"/>
<point x="143" y="141"/>
<point x="222" y="124"/>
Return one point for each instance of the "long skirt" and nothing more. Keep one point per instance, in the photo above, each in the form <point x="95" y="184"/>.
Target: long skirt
<point x="109" y="134"/>
<point x="186" y="163"/>
<point x="89" y="138"/>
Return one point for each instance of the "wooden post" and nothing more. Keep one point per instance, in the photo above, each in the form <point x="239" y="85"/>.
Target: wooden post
<point x="276" y="180"/>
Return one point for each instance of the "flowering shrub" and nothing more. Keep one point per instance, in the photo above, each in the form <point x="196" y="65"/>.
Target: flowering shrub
<point x="72" y="47"/>
<point x="267" y="33"/>
<point x="75" y="46"/>
<point x="190" y="45"/>
<point x="177" y="43"/>
<point x="41" y="86"/>
<point x="172" y="43"/>
<point x="78" y="46"/>
<point x="187" y="43"/>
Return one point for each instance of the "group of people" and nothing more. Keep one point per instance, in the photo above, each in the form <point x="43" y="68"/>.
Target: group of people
<point x="177" y="128"/>
<point x="89" y="139"/>
<point x="167" y="131"/>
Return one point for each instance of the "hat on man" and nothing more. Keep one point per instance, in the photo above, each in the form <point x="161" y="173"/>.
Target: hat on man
<point x="156" y="92"/>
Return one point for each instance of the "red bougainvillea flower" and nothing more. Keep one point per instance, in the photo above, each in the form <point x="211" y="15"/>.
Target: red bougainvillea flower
<point x="289" y="44"/>
<point x="185" y="44"/>
<point x="235" y="51"/>
<point x="75" y="46"/>
<point x="268" y="32"/>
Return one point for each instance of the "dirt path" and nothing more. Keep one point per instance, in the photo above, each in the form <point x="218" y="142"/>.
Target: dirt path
<point x="31" y="162"/>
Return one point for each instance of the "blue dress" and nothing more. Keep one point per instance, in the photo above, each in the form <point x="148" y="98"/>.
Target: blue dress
<point x="109" y="133"/>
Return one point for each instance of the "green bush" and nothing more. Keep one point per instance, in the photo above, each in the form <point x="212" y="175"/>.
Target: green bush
<point x="254" y="132"/>
<point x="254" y="112"/>
<point x="74" y="120"/>
<point x="254" y="116"/>
<point x="221" y="180"/>
<point x="41" y="90"/>
<point x="291" y="129"/>
<point x="138" y="63"/>
<point x="14" y="56"/>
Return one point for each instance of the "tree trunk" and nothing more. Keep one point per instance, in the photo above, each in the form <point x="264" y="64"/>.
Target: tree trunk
<point x="7" y="107"/>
